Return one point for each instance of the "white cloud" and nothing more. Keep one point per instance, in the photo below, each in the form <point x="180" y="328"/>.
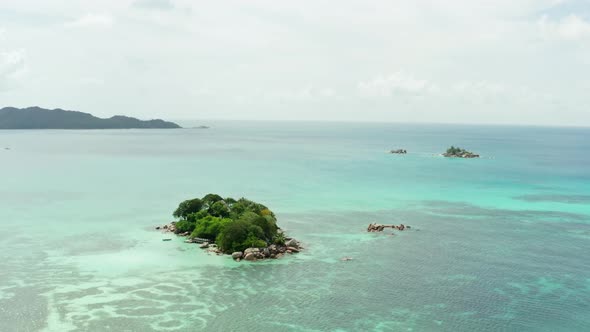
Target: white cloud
<point x="12" y="67"/>
<point x="154" y="4"/>
<point x="205" y="92"/>
<point x="308" y="93"/>
<point x="11" y="63"/>
<point x="403" y="84"/>
<point x="91" y="20"/>
<point x="494" y="92"/>
<point x="571" y="27"/>
<point x="479" y="89"/>
<point x="274" y="96"/>
<point x="399" y="82"/>
<point x="92" y="81"/>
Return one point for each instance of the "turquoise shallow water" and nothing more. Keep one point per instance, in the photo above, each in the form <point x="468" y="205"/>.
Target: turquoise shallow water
<point x="498" y="243"/>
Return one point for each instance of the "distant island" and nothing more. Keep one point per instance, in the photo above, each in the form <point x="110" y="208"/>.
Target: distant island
<point x="40" y="118"/>
<point x="456" y="152"/>
<point x="243" y="228"/>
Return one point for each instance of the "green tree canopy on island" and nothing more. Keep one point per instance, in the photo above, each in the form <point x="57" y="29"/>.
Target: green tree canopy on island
<point x="459" y="152"/>
<point x="455" y="150"/>
<point x="233" y="225"/>
<point x="187" y="207"/>
<point x="211" y="198"/>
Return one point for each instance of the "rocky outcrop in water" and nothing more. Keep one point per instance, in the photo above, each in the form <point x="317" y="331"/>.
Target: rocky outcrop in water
<point x="374" y="227"/>
<point x="398" y="151"/>
<point x="273" y="251"/>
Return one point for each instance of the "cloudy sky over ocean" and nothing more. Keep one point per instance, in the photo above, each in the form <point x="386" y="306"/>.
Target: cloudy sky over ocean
<point x="517" y="62"/>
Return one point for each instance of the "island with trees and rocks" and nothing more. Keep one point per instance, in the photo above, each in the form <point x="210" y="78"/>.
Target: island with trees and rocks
<point x="243" y="228"/>
<point x="456" y="152"/>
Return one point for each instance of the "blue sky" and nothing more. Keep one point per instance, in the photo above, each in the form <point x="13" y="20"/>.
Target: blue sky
<point x="517" y="62"/>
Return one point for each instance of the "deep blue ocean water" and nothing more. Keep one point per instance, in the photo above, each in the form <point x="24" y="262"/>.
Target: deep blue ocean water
<point x="498" y="243"/>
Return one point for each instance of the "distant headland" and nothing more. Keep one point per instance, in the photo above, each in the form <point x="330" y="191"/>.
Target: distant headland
<point x="40" y="118"/>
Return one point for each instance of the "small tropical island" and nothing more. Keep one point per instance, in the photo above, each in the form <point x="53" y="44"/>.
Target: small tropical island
<point x="243" y="228"/>
<point x="456" y="152"/>
<point x="41" y="118"/>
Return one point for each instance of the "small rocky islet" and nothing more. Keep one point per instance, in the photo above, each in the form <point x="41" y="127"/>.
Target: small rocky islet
<point x="374" y="227"/>
<point x="242" y="228"/>
<point x="398" y="151"/>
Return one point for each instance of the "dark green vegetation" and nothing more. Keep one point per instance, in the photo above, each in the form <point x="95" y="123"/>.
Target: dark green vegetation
<point x="40" y="118"/>
<point x="233" y="225"/>
<point x="459" y="153"/>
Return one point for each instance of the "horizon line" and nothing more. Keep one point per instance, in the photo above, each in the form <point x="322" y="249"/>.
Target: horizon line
<point x="494" y="124"/>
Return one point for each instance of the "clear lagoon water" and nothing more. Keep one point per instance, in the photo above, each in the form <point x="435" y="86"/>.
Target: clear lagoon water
<point x="499" y="243"/>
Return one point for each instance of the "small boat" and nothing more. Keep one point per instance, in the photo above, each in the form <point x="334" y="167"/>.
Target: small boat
<point x="166" y="239"/>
